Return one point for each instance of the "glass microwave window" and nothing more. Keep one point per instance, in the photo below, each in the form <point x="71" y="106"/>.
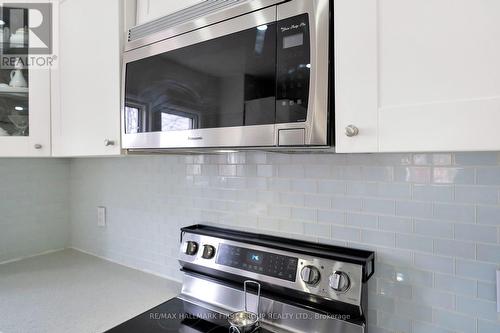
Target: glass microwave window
<point x="293" y="41"/>
<point x="223" y="82"/>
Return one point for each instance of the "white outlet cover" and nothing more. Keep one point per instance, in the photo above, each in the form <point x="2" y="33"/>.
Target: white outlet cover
<point x="101" y="216"/>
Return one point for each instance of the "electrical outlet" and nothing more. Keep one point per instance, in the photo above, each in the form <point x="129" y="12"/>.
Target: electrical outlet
<point x="101" y="216"/>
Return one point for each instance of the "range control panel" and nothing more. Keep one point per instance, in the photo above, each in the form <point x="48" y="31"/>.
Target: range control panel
<point x="270" y="264"/>
<point x="314" y="275"/>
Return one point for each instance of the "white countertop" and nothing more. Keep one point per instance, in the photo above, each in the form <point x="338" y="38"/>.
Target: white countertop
<point x="69" y="291"/>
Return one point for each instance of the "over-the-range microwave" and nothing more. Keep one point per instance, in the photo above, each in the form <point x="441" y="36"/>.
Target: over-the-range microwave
<point x="231" y="74"/>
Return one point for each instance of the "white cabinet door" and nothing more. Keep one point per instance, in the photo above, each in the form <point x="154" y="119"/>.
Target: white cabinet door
<point x="417" y="75"/>
<point x="86" y="101"/>
<point x="25" y="115"/>
<point x="148" y="10"/>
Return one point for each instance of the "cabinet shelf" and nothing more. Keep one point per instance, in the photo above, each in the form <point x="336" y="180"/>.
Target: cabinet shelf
<point x="14" y="91"/>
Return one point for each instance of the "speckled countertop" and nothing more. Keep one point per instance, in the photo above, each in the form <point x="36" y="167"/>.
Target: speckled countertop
<point x="69" y="291"/>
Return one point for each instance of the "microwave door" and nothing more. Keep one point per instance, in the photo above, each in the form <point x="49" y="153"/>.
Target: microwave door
<point x="303" y="87"/>
<point x="212" y="87"/>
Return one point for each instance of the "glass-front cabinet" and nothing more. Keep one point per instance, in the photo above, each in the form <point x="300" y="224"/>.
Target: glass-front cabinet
<point x="24" y="88"/>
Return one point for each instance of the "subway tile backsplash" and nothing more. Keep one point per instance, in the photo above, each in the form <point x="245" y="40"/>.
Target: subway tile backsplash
<point x="433" y="220"/>
<point x="34" y="206"/>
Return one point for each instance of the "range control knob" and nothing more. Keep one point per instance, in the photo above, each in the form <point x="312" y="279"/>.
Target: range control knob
<point x="339" y="281"/>
<point x="208" y="252"/>
<point x="190" y="248"/>
<point x="310" y="275"/>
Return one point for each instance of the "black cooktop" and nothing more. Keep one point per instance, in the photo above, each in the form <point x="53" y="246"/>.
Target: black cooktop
<point x="177" y="316"/>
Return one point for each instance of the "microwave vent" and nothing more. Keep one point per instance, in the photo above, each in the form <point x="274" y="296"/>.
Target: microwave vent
<point x="204" y="8"/>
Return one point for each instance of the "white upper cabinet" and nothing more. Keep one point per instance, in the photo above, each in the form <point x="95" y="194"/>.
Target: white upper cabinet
<point x="86" y="98"/>
<point x="25" y="113"/>
<point x="417" y="75"/>
<point x="24" y="90"/>
<point x="148" y="10"/>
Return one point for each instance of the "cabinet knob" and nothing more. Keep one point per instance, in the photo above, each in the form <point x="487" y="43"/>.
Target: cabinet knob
<point x="351" y="131"/>
<point x="38" y="146"/>
<point x="109" y="142"/>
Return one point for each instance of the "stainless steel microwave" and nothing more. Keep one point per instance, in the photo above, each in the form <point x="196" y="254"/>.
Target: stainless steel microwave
<point x="230" y="74"/>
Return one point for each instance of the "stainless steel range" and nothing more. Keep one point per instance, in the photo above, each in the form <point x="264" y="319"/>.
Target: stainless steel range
<point x="304" y="287"/>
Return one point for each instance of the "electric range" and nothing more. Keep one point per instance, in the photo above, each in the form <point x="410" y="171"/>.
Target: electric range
<point x="305" y="286"/>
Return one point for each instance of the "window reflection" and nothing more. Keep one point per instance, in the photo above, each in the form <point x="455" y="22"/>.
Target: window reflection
<point x="173" y="122"/>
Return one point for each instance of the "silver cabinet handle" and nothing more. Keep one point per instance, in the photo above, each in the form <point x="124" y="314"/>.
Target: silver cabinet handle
<point x="351" y="131"/>
<point x="108" y="143"/>
<point x="38" y="146"/>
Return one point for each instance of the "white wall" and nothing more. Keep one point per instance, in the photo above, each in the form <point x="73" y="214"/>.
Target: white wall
<point x="34" y="206"/>
<point x="433" y="220"/>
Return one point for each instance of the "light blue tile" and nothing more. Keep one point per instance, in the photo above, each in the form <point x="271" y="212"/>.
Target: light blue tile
<point x="442" y="159"/>
<point x="420" y="327"/>
<point x="400" y="258"/>
<point x="392" y="159"/>
<point x="442" y="193"/>
<point x="422" y="159"/>
<point x="488" y="215"/>
<point x="476" y="158"/>
<point x="394" y="323"/>
<point x="290" y="171"/>
<point x="456" y="213"/>
<point x="434" y="228"/>
<point x="304" y="214"/>
<point x="477" y="233"/>
<point x="391" y="289"/>
<point x="377" y="173"/>
<point x="380" y="206"/>
<point x="318" y="171"/>
<point x="413" y="310"/>
<point x="345" y="233"/>
<point x="434" y="263"/>
<point x="304" y="185"/>
<point x="488" y="327"/>
<point x="317" y="201"/>
<point x="346" y="203"/>
<point x="397" y="224"/>
<point x="317" y="229"/>
<point x="291" y="199"/>
<point x="331" y="187"/>
<point x="265" y="170"/>
<point x="489" y="253"/>
<point x="476" y="194"/>
<point x="487" y="291"/>
<point x="488" y="176"/>
<point x="476" y="270"/>
<point x="414" y="209"/>
<point x="277" y="184"/>
<point x="454" y="248"/>
<point x="448" y="175"/>
<point x="381" y="238"/>
<point x="414" y="242"/>
<point x="394" y="190"/>
<point x="412" y="276"/>
<point x="362" y="220"/>
<point x="331" y="216"/>
<point x="381" y="303"/>
<point x="438" y="299"/>
<point x="476" y="307"/>
<point x="455" y="284"/>
<point x="419" y="175"/>
<point x="455" y="321"/>
<point x="362" y="188"/>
